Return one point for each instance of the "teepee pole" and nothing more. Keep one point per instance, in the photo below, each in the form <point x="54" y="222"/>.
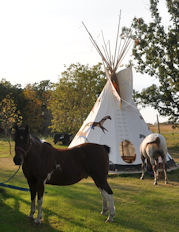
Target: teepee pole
<point x="117" y="37"/>
<point x="105" y="48"/>
<point x="96" y="46"/>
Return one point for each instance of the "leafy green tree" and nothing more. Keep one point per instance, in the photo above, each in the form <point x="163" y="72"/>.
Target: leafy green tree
<point x="43" y="92"/>
<point x="74" y="96"/>
<point x="36" y="114"/>
<point x="9" y="115"/>
<point x="156" y="53"/>
<point x="33" y="112"/>
<point x="15" y="91"/>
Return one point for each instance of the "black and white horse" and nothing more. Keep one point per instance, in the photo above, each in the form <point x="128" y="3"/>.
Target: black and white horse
<point x="42" y="163"/>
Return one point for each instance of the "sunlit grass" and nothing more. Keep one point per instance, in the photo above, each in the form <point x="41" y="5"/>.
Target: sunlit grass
<point x="140" y="206"/>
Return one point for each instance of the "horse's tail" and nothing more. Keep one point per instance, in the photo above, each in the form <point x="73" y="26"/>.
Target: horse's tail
<point x="107" y="148"/>
<point x="156" y="141"/>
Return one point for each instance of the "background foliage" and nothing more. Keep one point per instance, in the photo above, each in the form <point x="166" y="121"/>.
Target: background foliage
<point x="74" y="96"/>
<point x="155" y="52"/>
<point x="59" y="107"/>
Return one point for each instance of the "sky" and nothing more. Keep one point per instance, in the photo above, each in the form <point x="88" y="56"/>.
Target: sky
<point x="39" y="37"/>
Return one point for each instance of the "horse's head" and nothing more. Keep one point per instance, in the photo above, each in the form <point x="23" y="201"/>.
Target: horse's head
<point x="22" y="144"/>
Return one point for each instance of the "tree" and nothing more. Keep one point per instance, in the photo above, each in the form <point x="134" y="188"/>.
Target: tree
<point x="15" y="91"/>
<point x="74" y="96"/>
<point x="156" y="53"/>
<point x="9" y="115"/>
<point x="43" y="92"/>
<point x="33" y="109"/>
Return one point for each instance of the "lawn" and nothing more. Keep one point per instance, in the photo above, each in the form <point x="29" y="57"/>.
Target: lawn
<point x="140" y="206"/>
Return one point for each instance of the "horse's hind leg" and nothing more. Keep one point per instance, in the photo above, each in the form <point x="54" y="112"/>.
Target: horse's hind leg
<point x="165" y="169"/>
<point x="107" y="196"/>
<point x="104" y="203"/>
<point x="143" y="167"/>
<point x="155" y="169"/>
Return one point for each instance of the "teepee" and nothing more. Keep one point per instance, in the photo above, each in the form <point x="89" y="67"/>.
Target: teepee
<point x="115" y="120"/>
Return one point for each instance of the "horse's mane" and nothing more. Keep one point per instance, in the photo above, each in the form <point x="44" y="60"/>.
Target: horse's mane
<point x="35" y="139"/>
<point x="49" y="144"/>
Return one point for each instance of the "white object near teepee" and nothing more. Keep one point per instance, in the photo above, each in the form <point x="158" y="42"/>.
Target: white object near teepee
<point x="115" y="119"/>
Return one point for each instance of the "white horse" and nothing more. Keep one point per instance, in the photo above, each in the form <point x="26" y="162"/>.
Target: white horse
<point x="151" y="148"/>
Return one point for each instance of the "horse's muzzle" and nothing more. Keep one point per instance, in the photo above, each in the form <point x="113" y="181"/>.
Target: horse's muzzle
<point x="17" y="160"/>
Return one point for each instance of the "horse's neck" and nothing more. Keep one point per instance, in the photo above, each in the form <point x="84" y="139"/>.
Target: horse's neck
<point x="35" y="139"/>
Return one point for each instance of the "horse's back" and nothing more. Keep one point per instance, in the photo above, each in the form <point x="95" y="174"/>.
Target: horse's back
<point x="80" y="162"/>
<point x="96" y="157"/>
<point x="154" y="138"/>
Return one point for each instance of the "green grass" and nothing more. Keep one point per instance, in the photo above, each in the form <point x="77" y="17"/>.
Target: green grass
<point x="140" y="206"/>
<point x="4" y="148"/>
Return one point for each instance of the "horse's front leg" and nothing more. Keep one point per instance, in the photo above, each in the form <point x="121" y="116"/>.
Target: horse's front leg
<point x="33" y="198"/>
<point x="40" y="190"/>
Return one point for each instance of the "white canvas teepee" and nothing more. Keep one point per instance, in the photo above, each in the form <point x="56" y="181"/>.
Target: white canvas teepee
<point x="116" y="121"/>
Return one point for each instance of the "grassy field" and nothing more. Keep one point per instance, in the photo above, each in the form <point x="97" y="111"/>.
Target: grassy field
<point x="140" y="206"/>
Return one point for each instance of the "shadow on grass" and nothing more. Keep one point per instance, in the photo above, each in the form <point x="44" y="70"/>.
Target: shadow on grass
<point x="13" y="220"/>
<point x="18" y="221"/>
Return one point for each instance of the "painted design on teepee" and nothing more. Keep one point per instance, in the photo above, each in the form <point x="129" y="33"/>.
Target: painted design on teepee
<point x="91" y="125"/>
<point x="100" y="123"/>
<point x="83" y="133"/>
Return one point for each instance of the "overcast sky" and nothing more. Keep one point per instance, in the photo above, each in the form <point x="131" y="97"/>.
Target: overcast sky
<point x="39" y="37"/>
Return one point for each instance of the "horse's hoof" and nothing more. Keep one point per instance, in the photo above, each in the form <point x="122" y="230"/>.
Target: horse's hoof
<point x="141" y="178"/>
<point x="155" y="183"/>
<point x="166" y="182"/>
<point x="109" y="219"/>
<point x="37" y="221"/>
<point x="104" y="212"/>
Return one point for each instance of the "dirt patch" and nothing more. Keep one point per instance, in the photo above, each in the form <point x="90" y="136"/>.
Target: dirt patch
<point x="7" y="164"/>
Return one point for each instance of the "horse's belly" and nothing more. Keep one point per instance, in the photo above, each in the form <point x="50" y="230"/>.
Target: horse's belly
<point x="60" y="178"/>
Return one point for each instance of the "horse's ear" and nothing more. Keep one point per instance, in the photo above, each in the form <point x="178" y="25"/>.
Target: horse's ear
<point x="27" y="129"/>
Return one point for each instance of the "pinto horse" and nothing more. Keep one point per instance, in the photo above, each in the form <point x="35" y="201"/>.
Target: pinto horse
<point x="42" y="163"/>
<point x="151" y="148"/>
